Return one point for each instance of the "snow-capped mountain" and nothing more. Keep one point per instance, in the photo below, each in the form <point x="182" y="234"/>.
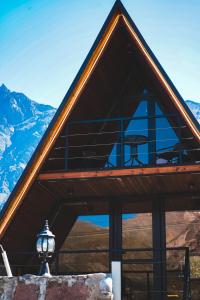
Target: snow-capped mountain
<point x="195" y="108"/>
<point x="22" y="124"/>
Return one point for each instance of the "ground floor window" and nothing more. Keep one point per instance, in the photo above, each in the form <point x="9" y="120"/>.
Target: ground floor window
<point x="86" y="248"/>
<point x="150" y="243"/>
<point x="137" y="267"/>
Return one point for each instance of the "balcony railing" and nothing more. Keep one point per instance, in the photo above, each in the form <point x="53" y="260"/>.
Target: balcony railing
<point x="123" y="143"/>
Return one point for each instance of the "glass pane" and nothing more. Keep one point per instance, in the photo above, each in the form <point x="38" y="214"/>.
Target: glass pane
<point x="137" y="230"/>
<point x="141" y="110"/>
<point x="89" y="232"/>
<point x="51" y="244"/>
<point x="182" y="229"/>
<point x="137" y="265"/>
<point x="87" y="246"/>
<point x="44" y="244"/>
<point x="90" y="144"/>
<point x="137" y="285"/>
<point x="39" y="245"/>
<point x="167" y="140"/>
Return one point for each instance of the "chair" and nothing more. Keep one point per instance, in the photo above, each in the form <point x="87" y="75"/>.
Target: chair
<point x="172" y="154"/>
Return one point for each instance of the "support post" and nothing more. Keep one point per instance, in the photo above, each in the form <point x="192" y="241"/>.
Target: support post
<point x="116" y="279"/>
<point x="6" y="262"/>
<point x="151" y="109"/>
<point x="159" y="249"/>
<point x="116" y="248"/>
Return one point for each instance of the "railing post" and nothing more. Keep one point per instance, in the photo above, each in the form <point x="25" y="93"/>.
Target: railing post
<point x="159" y="249"/>
<point x="186" y="283"/>
<point x="66" y="150"/>
<point x="120" y="144"/>
<point x="115" y="247"/>
<point x="151" y="109"/>
<point x="116" y="279"/>
<point x="180" y="150"/>
<point x="148" y="287"/>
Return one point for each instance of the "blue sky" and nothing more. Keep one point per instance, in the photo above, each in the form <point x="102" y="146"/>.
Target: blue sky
<point x="102" y="220"/>
<point x="44" y="42"/>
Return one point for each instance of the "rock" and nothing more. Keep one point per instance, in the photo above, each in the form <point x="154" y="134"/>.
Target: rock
<point x="105" y="286"/>
<point x="80" y="287"/>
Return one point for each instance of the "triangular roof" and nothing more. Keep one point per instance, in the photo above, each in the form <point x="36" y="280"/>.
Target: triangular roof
<point x="117" y="14"/>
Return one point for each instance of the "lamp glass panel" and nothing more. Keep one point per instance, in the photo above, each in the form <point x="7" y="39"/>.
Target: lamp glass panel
<point x="39" y="244"/>
<point x="51" y="244"/>
<point x="45" y="244"/>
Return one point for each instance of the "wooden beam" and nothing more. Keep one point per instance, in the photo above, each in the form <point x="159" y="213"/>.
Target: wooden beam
<point x="162" y="170"/>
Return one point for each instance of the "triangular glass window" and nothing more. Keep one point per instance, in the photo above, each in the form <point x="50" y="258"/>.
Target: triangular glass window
<point x="146" y="139"/>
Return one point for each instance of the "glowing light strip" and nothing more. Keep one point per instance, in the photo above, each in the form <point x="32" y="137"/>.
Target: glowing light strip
<point x="58" y="126"/>
<point x="167" y="86"/>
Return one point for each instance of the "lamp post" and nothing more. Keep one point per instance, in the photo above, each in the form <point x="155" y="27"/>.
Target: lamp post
<point x="45" y="246"/>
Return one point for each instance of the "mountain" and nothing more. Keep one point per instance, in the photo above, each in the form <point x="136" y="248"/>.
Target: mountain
<point x="195" y="108"/>
<point x="22" y="124"/>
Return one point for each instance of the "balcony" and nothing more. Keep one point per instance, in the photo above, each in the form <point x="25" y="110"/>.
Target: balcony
<point x="125" y="142"/>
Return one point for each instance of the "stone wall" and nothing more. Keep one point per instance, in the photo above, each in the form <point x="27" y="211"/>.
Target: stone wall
<point x="81" y="287"/>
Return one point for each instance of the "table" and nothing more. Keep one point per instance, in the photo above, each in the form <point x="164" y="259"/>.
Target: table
<point x="133" y="141"/>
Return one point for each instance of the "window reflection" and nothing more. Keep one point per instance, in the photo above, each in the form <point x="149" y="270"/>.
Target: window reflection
<point x="90" y="233"/>
<point x="148" y="142"/>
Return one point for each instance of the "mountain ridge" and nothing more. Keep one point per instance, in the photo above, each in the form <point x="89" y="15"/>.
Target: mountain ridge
<point x="20" y="119"/>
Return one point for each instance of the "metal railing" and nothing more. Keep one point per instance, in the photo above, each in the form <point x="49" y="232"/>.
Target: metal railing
<point x="27" y="262"/>
<point x="118" y="142"/>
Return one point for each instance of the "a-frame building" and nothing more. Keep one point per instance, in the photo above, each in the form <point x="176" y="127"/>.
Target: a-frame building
<point x="123" y="141"/>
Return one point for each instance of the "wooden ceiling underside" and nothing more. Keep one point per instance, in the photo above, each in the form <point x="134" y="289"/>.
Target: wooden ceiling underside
<point x="135" y="185"/>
